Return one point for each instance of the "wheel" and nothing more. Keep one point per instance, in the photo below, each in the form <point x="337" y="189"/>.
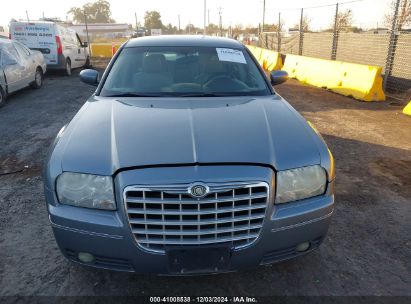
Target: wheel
<point x="87" y="64"/>
<point x="68" y="67"/>
<point x="38" y="79"/>
<point x="2" y="97"/>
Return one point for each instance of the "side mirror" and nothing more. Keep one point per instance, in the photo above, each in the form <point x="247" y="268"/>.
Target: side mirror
<point x="85" y="44"/>
<point x="10" y="61"/>
<point x="278" y="77"/>
<point x="89" y="76"/>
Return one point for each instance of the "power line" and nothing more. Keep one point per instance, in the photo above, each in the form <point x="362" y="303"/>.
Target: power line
<point x="318" y="6"/>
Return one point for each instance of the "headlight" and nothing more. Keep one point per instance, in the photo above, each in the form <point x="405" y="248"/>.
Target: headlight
<point x="86" y="190"/>
<point x="297" y="184"/>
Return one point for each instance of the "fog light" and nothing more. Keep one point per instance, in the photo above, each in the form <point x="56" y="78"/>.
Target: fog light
<point x="85" y="257"/>
<point x="303" y="246"/>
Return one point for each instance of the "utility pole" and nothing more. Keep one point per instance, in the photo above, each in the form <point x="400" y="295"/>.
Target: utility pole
<point x="208" y="21"/>
<point x="221" y="20"/>
<point x="88" y="40"/>
<point x="262" y="28"/>
<point x="27" y="14"/>
<point x="135" y="15"/>
<point x="335" y="35"/>
<point x="392" y="46"/>
<point x="179" y="23"/>
<point x="205" y="17"/>
<point x="279" y="33"/>
<point x="301" y="40"/>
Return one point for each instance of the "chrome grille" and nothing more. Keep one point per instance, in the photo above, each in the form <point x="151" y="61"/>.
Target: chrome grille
<point x="161" y="216"/>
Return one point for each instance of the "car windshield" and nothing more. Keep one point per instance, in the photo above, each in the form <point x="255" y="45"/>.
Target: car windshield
<point x="184" y="72"/>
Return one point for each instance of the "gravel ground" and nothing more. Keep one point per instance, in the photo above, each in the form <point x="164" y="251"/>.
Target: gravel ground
<point x="367" y="251"/>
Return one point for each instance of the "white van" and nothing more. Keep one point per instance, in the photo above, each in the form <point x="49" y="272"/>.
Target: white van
<point x="61" y="46"/>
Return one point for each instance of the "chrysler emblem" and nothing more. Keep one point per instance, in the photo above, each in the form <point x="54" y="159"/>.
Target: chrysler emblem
<point x="198" y="190"/>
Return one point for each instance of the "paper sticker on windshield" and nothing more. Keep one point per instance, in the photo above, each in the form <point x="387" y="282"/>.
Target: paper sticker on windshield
<point x="230" y="55"/>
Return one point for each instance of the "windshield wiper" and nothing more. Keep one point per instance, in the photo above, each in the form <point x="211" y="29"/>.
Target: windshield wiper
<point x="200" y="95"/>
<point x="130" y="94"/>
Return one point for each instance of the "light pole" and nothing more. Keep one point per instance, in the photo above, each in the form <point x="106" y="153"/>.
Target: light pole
<point x="221" y="20"/>
<point x="205" y="17"/>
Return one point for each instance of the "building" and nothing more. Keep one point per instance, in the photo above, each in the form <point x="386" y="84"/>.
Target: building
<point x="101" y="30"/>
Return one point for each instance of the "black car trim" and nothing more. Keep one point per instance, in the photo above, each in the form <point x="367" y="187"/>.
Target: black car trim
<point x="191" y="165"/>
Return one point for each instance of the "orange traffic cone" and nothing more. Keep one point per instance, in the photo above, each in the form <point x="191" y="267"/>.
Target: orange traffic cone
<point x="113" y="49"/>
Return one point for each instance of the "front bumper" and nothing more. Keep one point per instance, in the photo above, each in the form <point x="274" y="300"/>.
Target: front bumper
<point x="107" y="235"/>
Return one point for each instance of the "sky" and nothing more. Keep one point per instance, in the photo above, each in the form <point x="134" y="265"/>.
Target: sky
<point x="366" y="13"/>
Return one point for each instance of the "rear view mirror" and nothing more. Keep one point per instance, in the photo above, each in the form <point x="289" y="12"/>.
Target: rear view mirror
<point x="89" y="76"/>
<point x="278" y="77"/>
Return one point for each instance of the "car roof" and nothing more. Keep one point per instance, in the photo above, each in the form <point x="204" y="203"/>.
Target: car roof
<point x="184" y="40"/>
<point x="4" y="41"/>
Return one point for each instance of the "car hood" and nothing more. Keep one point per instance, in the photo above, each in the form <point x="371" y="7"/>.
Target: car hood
<point x="109" y="134"/>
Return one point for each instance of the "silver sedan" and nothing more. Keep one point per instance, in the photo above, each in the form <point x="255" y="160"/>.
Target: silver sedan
<point x="19" y="68"/>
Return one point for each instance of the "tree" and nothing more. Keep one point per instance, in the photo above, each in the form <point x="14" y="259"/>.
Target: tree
<point x="274" y="27"/>
<point x="152" y="20"/>
<point x="249" y="29"/>
<point x="212" y="29"/>
<point x="97" y="12"/>
<point x="191" y="29"/>
<point x="404" y="14"/>
<point x="238" y="30"/>
<point x="344" y="20"/>
<point x="170" y="29"/>
<point x="306" y="24"/>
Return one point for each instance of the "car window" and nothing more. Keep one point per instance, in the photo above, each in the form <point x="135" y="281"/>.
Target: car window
<point x="7" y="57"/>
<point x="184" y="71"/>
<point x="22" y="52"/>
<point x="12" y="52"/>
<point x="26" y="49"/>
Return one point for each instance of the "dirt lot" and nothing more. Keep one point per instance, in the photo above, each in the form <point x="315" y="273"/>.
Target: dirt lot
<point x="367" y="251"/>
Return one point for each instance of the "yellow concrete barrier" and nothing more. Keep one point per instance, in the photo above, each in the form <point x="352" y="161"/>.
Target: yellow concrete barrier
<point x="268" y="59"/>
<point x="362" y="82"/>
<point x="103" y="49"/>
<point x="407" y="109"/>
<point x="271" y="60"/>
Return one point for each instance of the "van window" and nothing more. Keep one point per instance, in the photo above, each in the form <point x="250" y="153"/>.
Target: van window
<point x="79" y="43"/>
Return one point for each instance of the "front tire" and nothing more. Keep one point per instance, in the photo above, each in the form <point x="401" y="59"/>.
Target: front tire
<point x="68" y="67"/>
<point x="2" y="97"/>
<point x="38" y="79"/>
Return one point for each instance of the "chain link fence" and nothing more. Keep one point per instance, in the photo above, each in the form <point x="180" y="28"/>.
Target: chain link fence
<point x="350" y="40"/>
